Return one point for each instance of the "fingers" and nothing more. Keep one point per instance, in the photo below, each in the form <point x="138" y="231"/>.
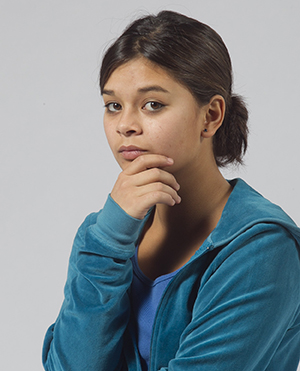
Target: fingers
<point x="147" y="162"/>
<point x="156" y="175"/>
<point x="145" y="183"/>
<point x="156" y="193"/>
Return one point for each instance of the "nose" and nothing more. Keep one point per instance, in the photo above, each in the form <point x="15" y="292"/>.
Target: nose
<point x="129" y="125"/>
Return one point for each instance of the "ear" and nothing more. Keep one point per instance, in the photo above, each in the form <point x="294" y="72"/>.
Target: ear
<point x="214" y="116"/>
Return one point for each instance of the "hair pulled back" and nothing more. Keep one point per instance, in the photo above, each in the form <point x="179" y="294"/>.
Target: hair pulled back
<point x="196" y="56"/>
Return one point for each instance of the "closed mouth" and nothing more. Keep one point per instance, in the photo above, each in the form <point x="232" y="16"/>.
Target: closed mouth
<point x="131" y="152"/>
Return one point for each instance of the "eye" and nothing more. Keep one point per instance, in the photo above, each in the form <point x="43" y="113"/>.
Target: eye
<point x="153" y="106"/>
<point x="113" y="107"/>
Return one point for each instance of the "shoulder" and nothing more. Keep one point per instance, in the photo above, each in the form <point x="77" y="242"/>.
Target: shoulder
<point x="255" y="235"/>
<point x="247" y="211"/>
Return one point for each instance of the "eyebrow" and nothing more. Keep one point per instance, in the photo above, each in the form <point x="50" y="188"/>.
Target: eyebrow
<point x="146" y="89"/>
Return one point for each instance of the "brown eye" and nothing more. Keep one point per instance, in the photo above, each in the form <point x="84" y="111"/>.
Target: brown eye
<point x="113" y="107"/>
<point x="153" y="106"/>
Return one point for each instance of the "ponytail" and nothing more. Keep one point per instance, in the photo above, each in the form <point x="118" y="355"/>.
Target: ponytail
<point x="231" y="140"/>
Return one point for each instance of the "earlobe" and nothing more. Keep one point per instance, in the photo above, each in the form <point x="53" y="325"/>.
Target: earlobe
<point x="215" y="112"/>
<point x="205" y="133"/>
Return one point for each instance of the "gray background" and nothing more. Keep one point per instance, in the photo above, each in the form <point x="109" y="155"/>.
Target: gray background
<point x="55" y="164"/>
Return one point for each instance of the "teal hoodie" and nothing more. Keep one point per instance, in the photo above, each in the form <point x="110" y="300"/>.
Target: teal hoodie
<point x="234" y="306"/>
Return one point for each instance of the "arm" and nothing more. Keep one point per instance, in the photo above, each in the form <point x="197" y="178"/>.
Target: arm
<point x="88" y="333"/>
<point x="246" y="315"/>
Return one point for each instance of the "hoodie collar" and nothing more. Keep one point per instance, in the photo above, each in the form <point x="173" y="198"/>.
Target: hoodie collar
<point x="244" y="208"/>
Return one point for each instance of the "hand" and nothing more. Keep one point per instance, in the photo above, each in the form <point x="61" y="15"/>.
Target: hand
<point x="144" y="184"/>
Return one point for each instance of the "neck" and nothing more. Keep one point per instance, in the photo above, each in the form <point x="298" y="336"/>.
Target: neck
<point x="203" y="199"/>
<point x="173" y="234"/>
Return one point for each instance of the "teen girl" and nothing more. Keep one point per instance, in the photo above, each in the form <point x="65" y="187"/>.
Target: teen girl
<point x="181" y="270"/>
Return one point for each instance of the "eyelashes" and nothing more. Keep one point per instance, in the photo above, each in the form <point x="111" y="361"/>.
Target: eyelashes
<point x="113" y="107"/>
<point x="151" y="106"/>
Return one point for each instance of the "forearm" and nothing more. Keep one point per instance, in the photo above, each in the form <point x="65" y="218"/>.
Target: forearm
<point x="88" y="333"/>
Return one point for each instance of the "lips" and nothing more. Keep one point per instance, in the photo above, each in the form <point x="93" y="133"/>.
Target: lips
<point x="131" y="152"/>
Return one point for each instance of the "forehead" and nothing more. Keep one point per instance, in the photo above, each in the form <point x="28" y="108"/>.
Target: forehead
<point x="139" y="73"/>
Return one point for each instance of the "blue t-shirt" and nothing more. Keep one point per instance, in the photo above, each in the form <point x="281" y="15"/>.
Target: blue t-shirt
<point x="146" y="295"/>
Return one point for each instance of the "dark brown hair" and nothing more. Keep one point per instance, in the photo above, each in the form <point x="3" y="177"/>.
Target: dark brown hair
<point x="196" y="56"/>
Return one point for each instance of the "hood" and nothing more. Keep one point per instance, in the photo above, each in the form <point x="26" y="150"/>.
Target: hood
<point x="245" y="208"/>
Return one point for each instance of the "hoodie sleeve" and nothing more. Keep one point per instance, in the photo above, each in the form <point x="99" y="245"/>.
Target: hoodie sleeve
<point x="247" y="312"/>
<point x="88" y="333"/>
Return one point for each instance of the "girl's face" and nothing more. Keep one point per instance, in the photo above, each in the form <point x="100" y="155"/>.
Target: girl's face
<point x="147" y="111"/>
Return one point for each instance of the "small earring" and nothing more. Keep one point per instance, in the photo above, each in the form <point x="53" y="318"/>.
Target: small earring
<point x="205" y="130"/>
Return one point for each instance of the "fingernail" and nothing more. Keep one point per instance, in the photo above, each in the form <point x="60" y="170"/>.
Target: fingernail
<point x="170" y="160"/>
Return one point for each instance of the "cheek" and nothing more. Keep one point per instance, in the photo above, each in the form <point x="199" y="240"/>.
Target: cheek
<point x="185" y="142"/>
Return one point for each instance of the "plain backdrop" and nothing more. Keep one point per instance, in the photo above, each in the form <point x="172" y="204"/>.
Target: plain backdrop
<point x="56" y="166"/>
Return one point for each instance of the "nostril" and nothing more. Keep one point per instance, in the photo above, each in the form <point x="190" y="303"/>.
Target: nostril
<point x="128" y="128"/>
<point x="128" y="133"/>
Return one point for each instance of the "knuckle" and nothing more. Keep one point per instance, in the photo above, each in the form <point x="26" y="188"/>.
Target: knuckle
<point x="155" y="196"/>
<point x="141" y="159"/>
<point x="156" y="172"/>
<point x="121" y="176"/>
<point x="159" y="187"/>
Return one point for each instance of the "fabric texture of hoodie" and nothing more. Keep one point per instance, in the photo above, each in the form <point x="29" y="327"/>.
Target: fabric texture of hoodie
<point x="234" y="306"/>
